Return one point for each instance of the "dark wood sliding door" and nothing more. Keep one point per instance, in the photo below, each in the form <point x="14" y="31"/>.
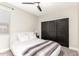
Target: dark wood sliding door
<point x="57" y="30"/>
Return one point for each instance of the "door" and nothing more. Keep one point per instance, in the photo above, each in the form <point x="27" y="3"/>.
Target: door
<point x="52" y="30"/>
<point x="62" y="31"/>
<point x="49" y="30"/>
<point x="44" y="30"/>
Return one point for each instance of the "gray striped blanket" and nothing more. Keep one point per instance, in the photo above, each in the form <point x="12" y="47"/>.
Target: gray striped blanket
<point x="45" y="48"/>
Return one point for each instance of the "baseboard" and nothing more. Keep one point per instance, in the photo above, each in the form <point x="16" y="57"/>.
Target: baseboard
<point x="4" y="50"/>
<point x="74" y="48"/>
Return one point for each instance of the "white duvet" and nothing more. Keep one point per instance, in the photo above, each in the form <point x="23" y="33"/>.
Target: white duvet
<point x="18" y="47"/>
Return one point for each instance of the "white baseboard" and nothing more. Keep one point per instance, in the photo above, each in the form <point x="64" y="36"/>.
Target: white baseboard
<point x="4" y="50"/>
<point x="74" y="48"/>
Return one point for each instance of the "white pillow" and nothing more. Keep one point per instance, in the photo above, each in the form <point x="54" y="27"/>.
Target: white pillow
<point x="31" y="35"/>
<point x="24" y="36"/>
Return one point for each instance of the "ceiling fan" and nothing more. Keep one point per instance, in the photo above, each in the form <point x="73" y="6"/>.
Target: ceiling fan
<point x="34" y="3"/>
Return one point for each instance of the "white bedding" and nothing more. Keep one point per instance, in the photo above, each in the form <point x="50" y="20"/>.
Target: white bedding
<point x="19" y="47"/>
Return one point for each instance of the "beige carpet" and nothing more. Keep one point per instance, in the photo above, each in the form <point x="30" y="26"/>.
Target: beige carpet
<point x="68" y="52"/>
<point x="64" y="52"/>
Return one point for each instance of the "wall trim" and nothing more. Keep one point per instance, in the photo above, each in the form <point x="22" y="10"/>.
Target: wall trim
<point x="74" y="48"/>
<point x="4" y="50"/>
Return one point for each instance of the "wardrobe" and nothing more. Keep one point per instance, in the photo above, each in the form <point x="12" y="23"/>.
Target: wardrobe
<point x="56" y="30"/>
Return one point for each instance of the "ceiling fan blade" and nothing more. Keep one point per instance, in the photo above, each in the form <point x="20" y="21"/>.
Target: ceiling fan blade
<point x="39" y="8"/>
<point x="28" y="3"/>
<point x="36" y="3"/>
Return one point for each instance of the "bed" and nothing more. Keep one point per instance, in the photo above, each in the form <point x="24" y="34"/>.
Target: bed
<point x="27" y="44"/>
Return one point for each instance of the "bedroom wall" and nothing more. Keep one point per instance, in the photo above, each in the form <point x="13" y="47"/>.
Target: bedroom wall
<point x="70" y="11"/>
<point x="4" y="37"/>
<point x="22" y="21"/>
<point x="78" y="24"/>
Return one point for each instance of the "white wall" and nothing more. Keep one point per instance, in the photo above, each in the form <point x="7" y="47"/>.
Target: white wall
<point x="22" y="21"/>
<point x="4" y="42"/>
<point x="4" y="37"/>
<point x="70" y="11"/>
<point x="78" y="23"/>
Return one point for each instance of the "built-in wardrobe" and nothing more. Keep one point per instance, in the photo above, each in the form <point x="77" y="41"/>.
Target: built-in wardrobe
<point x="56" y="30"/>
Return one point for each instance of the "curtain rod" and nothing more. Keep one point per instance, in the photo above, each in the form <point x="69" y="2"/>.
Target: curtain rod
<point x="7" y="6"/>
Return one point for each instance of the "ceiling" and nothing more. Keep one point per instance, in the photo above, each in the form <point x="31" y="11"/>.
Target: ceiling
<point x="33" y="9"/>
<point x="45" y="6"/>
